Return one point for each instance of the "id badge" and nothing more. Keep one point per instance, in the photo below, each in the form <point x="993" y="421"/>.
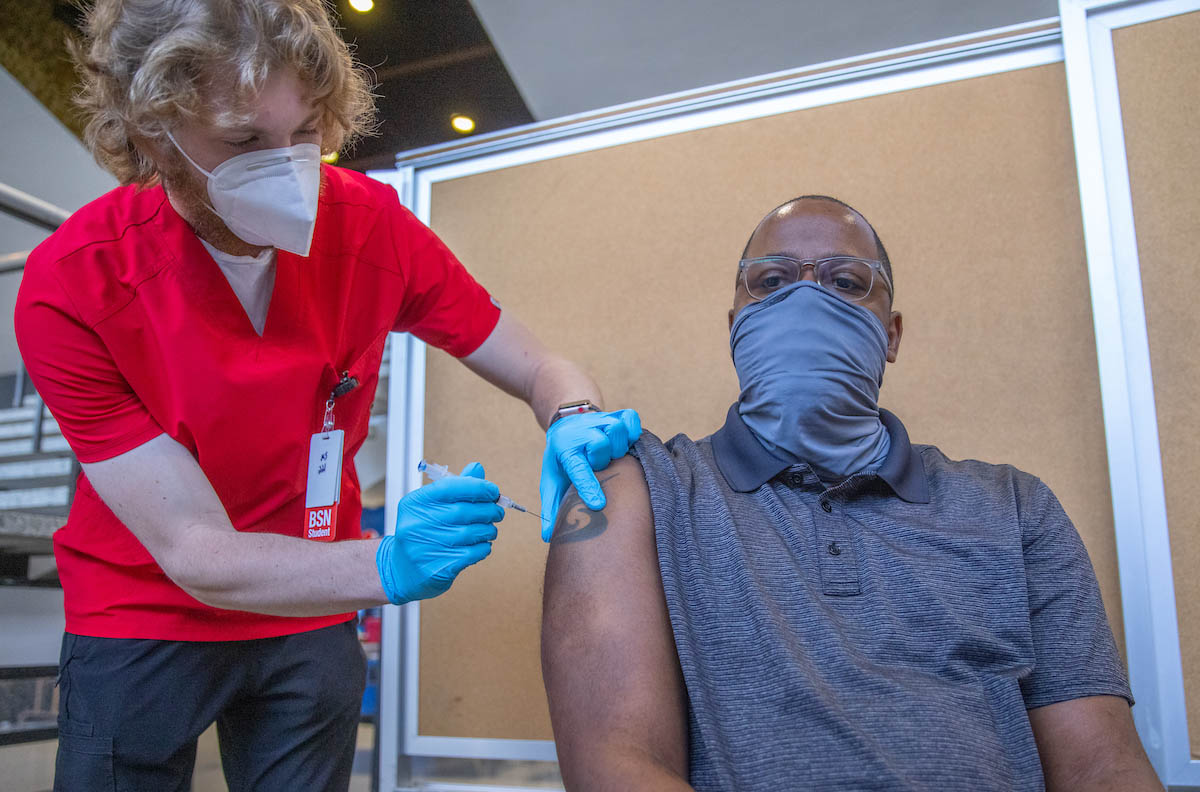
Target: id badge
<point x="324" y="485"/>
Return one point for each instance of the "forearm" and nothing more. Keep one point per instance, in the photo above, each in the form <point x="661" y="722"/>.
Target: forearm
<point x="514" y="360"/>
<point x="1109" y="777"/>
<point x="555" y="382"/>
<point x="1090" y="743"/>
<point x="276" y="575"/>
<point x="618" y="767"/>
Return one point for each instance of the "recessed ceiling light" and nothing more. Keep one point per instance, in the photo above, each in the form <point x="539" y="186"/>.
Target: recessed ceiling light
<point x="462" y="123"/>
<point x="362" y="6"/>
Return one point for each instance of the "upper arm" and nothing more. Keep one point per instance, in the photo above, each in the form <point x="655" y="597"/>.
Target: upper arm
<point x="442" y="304"/>
<point x="1074" y="651"/>
<point x="1077" y="694"/>
<point x="1090" y="743"/>
<point x="151" y="482"/>
<point x="616" y="693"/>
<point x="509" y="358"/>
<point x="161" y="494"/>
<point x="74" y="372"/>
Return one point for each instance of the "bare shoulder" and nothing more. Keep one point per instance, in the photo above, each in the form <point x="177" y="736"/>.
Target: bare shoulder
<point x="625" y="515"/>
<point x="606" y="559"/>
<point x="613" y="682"/>
<point x="602" y="570"/>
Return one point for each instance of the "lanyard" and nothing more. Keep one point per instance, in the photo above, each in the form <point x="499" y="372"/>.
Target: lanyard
<point x="324" y="488"/>
<point x="343" y="387"/>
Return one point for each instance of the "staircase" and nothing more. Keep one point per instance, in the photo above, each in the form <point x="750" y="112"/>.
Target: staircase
<point x="35" y="491"/>
<point x="37" y="468"/>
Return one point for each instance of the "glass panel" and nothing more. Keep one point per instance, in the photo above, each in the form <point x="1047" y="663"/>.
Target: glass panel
<point x="28" y="706"/>
<point x="502" y="772"/>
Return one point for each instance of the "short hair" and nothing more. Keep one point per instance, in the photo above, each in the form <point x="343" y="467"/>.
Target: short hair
<point x="146" y="64"/>
<point x="881" y="250"/>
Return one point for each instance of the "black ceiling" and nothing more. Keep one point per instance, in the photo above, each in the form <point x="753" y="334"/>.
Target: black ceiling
<point x="432" y="59"/>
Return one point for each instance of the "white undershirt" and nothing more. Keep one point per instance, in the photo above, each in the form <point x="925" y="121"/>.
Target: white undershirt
<point x="252" y="279"/>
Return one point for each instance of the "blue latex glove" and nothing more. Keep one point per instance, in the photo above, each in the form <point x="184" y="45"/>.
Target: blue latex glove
<point x="441" y="529"/>
<point x="576" y="445"/>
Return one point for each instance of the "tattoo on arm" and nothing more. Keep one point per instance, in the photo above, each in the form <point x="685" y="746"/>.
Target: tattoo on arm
<point x="576" y="522"/>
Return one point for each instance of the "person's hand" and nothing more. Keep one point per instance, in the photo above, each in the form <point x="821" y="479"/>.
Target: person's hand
<point x="576" y="445"/>
<point x="441" y="529"/>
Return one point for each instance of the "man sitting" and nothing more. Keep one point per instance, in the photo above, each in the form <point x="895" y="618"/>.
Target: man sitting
<point x="805" y="600"/>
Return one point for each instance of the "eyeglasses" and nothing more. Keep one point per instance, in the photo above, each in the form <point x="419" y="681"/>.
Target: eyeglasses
<point x="846" y="276"/>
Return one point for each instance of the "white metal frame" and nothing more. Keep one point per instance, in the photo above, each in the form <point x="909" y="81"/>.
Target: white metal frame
<point x="1017" y="47"/>
<point x="903" y="70"/>
<point x="1135" y="469"/>
<point x="1127" y="388"/>
<point x="406" y="405"/>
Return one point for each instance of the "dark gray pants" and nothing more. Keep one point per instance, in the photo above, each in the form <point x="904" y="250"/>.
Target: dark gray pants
<point x="286" y="710"/>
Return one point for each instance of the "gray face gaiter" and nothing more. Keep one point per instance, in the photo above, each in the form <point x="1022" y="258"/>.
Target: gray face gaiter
<point x="810" y="365"/>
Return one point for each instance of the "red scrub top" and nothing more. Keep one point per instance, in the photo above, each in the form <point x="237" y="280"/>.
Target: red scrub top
<point x="129" y="329"/>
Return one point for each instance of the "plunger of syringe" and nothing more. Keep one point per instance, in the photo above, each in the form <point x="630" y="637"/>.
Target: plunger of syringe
<point x="437" y="472"/>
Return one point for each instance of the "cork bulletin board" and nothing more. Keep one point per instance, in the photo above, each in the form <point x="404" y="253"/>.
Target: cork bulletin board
<point x="1157" y="67"/>
<point x="624" y="260"/>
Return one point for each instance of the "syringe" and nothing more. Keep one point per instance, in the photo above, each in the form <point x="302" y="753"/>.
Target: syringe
<point x="436" y="472"/>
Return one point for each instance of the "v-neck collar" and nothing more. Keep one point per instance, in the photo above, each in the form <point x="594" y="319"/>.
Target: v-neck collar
<point x="254" y="275"/>
<point x="212" y="287"/>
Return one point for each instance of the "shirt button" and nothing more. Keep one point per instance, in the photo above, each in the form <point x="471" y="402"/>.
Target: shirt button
<point x="795" y="479"/>
<point x="825" y="505"/>
<point x="834" y="549"/>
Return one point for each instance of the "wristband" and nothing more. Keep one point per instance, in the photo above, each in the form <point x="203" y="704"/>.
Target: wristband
<point x="573" y="408"/>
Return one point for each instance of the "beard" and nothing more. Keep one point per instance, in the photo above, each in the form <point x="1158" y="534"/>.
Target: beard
<point x="188" y="192"/>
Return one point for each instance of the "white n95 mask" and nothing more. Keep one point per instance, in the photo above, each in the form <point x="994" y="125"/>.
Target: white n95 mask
<point x="268" y="197"/>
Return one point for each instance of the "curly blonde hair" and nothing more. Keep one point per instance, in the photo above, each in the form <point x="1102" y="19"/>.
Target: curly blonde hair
<point x="147" y="64"/>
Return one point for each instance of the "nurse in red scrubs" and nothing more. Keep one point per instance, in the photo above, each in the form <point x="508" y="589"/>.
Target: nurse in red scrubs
<point x="208" y="337"/>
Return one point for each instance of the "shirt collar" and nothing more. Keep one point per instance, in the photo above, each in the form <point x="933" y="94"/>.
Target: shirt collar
<point x="747" y="465"/>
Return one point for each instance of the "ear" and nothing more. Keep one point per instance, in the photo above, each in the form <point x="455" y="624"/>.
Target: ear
<point x="161" y="155"/>
<point x="148" y="148"/>
<point x="895" y="329"/>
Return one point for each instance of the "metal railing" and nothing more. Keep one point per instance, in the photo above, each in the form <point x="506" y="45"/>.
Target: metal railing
<point x="36" y="721"/>
<point x="43" y="214"/>
<point x="13" y="262"/>
<point x="33" y="210"/>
